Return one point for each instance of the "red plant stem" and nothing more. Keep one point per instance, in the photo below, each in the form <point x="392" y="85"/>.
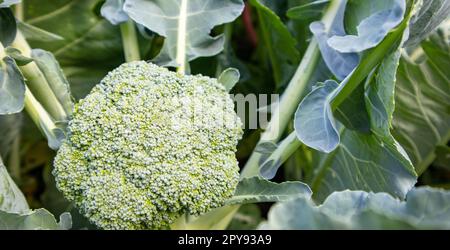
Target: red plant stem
<point x="252" y="36"/>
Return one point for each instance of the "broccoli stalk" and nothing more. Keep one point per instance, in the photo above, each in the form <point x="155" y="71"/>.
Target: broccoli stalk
<point x="37" y="83"/>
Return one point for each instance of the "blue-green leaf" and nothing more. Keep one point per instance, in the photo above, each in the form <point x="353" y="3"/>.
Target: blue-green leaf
<point x="361" y="156"/>
<point x="256" y="189"/>
<point x="229" y="78"/>
<point x="314" y="122"/>
<point x="167" y="19"/>
<point x="422" y="118"/>
<point x="12" y="87"/>
<point x="382" y="17"/>
<point x="427" y="18"/>
<point x="424" y="208"/>
<point x="341" y="64"/>
<point x="8" y="3"/>
<point x="113" y="11"/>
<point x="363" y="162"/>
<point x="39" y="219"/>
<point x="379" y="95"/>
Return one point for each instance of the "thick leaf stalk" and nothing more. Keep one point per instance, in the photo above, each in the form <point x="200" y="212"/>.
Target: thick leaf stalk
<point x="129" y="41"/>
<point x="37" y="83"/>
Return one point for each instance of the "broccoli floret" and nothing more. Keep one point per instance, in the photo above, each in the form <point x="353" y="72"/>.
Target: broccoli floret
<point x="148" y="145"/>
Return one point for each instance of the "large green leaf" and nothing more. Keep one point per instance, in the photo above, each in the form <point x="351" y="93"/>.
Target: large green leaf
<point x="379" y="95"/>
<point x="12" y="87"/>
<point x="15" y="213"/>
<point x="186" y="25"/>
<point x="278" y="42"/>
<point x="346" y="100"/>
<point x="257" y="189"/>
<point x="428" y="17"/>
<point x="424" y="208"/>
<point x="39" y="219"/>
<point x="363" y="162"/>
<point x="11" y="198"/>
<point x="422" y="117"/>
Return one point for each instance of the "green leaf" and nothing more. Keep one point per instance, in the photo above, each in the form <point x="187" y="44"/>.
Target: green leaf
<point x="49" y="66"/>
<point x="314" y="122"/>
<point x="186" y="25"/>
<point x="379" y="95"/>
<point x="341" y="64"/>
<point x="310" y="10"/>
<point x="15" y="54"/>
<point x="12" y="87"/>
<point x="424" y="208"/>
<point x="257" y="189"/>
<point x="320" y="132"/>
<point x="33" y="33"/>
<point x="352" y="113"/>
<point x="363" y="162"/>
<point x="279" y="43"/>
<point x="428" y="17"/>
<point x="39" y="219"/>
<point x="229" y="78"/>
<point x="8" y="27"/>
<point x="422" y="117"/>
<point x="12" y="199"/>
<point x="368" y="22"/>
<point x="112" y="10"/>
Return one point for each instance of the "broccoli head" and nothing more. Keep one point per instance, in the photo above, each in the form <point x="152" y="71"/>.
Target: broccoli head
<point x="148" y="145"/>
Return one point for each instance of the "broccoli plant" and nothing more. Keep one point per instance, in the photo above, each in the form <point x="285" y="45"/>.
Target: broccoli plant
<point x="131" y="119"/>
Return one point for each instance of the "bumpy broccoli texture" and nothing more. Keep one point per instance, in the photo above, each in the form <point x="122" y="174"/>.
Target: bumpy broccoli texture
<point x="148" y="145"/>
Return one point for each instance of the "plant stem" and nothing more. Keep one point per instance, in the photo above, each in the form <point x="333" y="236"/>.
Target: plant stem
<point x="129" y="41"/>
<point x="179" y="224"/>
<point x="37" y="83"/>
<point x="18" y="11"/>
<point x="37" y="113"/>
<point x="291" y="97"/>
<point x="181" y="38"/>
